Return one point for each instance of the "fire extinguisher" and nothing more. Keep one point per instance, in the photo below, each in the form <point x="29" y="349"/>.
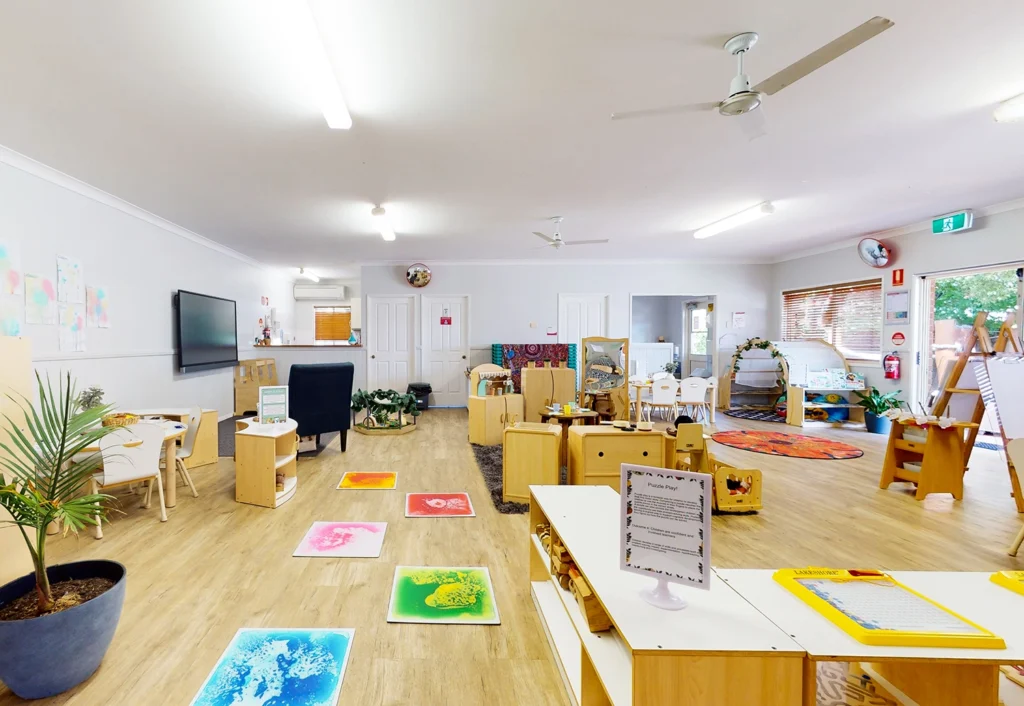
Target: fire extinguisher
<point x="891" y="365"/>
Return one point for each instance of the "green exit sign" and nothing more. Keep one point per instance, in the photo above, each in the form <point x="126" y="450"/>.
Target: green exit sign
<point x="953" y="222"/>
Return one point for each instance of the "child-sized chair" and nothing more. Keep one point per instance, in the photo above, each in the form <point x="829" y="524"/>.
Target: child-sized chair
<point x="124" y="465"/>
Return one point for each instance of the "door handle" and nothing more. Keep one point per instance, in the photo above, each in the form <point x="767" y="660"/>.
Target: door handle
<point x="373" y="356"/>
<point x="463" y="357"/>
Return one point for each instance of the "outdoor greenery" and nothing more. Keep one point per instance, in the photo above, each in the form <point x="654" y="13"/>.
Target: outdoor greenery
<point x="90" y="397"/>
<point x="961" y="298"/>
<point x="385" y="407"/>
<point x="40" y="478"/>
<point x="878" y="404"/>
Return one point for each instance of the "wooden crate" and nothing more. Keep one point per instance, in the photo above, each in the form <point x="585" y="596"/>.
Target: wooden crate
<point x="249" y="376"/>
<point x="532" y="456"/>
<point x="543" y="385"/>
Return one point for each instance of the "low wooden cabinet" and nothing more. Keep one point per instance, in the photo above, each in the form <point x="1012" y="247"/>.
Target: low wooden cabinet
<point x="531" y="456"/>
<point x="488" y="417"/>
<point x="596" y="453"/>
<point x="261" y="452"/>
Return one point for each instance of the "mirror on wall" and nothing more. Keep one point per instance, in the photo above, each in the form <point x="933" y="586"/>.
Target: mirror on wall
<point x="605" y="365"/>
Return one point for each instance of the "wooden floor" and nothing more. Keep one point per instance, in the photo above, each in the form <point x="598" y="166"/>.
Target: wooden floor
<point x="217" y="565"/>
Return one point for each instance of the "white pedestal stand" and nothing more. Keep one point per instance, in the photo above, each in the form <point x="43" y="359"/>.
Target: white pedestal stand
<point x="661" y="597"/>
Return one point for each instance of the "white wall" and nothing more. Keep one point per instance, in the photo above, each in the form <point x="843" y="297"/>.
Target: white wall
<point x="142" y="261"/>
<point x="505" y="298"/>
<point x="304" y="332"/>
<point x="994" y="240"/>
<point x="651" y="319"/>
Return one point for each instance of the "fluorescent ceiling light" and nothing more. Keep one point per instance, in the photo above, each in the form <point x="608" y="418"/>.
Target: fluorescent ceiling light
<point x="308" y="275"/>
<point x="735" y="220"/>
<point x="383" y="224"/>
<point x="321" y="73"/>
<point x="1010" y="111"/>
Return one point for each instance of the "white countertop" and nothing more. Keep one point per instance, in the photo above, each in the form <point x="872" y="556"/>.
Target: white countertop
<point x="161" y="411"/>
<point x="272" y="431"/>
<point x="719" y="620"/>
<point x="970" y="594"/>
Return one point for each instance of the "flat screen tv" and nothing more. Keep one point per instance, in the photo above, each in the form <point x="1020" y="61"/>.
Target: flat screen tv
<point x="207" y="332"/>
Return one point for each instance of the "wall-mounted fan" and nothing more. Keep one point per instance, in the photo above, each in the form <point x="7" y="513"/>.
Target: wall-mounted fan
<point x="555" y="240"/>
<point x="874" y="252"/>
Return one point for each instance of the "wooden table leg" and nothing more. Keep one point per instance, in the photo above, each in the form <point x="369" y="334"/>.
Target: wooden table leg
<point x="810" y="690"/>
<point x="170" y="473"/>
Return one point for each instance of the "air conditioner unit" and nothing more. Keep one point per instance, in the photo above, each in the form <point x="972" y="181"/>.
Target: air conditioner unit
<point x="321" y="292"/>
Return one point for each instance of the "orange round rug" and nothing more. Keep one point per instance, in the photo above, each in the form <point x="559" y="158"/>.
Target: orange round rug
<point x="793" y="445"/>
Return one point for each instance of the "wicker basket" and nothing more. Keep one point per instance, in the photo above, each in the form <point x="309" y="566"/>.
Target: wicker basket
<point x="120" y="420"/>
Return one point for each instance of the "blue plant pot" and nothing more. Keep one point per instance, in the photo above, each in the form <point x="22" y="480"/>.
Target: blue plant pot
<point x="48" y="655"/>
<point x="877" y="424"/>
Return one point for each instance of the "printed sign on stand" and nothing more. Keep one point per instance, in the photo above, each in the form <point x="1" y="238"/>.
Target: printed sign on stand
<point x="666" y="530"/>
<point x="272" y="405"/>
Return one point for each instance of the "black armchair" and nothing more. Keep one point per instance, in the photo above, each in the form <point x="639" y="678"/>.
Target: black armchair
<point x="320" y="398"/>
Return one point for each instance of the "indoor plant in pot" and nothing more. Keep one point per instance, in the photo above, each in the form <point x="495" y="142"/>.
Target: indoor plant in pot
<point x="57" y="622"/>
<point x="875" y="406"/>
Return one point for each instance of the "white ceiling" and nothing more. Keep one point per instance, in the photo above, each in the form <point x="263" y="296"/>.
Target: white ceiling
<point x="473" y="121"/>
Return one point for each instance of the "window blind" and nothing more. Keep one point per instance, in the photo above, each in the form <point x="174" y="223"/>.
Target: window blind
<point x="332" y="323"/>
<point x="849" y="316"/>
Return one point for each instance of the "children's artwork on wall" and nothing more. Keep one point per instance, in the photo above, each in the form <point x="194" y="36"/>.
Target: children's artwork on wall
<point x="40" y="300"/>
<point x="72" y="327"/>
<point x="438" y="505"/>
<point x="10" y="315"/>
<point x="70" y="284"/>
<point x="374" y="480"/>
<point x="443" y="594"/>
<point x="97" y="307"/>
<point x="343" y="539"/>
<point x="279" y="666"/>
<point x="11" y="277"/>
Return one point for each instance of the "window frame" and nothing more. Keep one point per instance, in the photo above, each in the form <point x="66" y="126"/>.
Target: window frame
<point x="854" y="357"/>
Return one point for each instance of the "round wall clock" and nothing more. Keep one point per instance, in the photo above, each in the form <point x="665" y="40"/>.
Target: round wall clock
<point x="418" y="275"/>
<point x="874" y="252"/>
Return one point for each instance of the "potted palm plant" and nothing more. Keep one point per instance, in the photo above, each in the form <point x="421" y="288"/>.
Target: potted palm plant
<point x="56" y="622"/>
<point x="875" y="406"/>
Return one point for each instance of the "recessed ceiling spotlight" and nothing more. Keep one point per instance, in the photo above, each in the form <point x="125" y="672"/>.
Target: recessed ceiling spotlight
<point x="383" y="224"/>
<point x="1010" y="111"/>
<point x="321" y="72"/>
<point x="737" y="219"/>
<point x="308" y="275"/>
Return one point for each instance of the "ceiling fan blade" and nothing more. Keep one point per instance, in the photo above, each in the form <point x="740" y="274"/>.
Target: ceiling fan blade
<point x="545" y="237"/>
<point x="752" y="124"/>
<point x="818" y="58"/>
<point x="664" y="110"/>
<point x="584" y="242"/>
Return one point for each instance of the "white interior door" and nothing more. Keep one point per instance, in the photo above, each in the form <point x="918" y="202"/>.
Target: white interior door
<point x="445" y="353"/>
<point x="581" y="316"/>
<point x="390" y="343"/>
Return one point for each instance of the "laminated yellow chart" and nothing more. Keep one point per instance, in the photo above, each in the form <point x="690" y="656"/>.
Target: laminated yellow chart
<point x="1013" y="580"/>
<point x="875" y="609"/>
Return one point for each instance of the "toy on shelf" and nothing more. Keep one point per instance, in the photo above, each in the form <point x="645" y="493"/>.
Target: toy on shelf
<point x="604" y="380"/>
<point x="735" y="489"/>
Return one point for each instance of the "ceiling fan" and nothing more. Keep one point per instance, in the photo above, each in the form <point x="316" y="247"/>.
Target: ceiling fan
<point x="744" y="100"/>
<point x="555" y="241"/>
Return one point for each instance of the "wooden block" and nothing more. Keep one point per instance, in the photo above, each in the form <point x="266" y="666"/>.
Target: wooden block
<point x="597" y="619"/>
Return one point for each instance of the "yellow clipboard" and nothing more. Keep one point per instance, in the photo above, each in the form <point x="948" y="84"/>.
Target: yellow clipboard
<point x="875" y="609"/>
<point x="1013" y="580"/>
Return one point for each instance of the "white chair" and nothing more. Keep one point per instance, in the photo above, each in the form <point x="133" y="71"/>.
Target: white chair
<point x="645" y="396"/>
<point x="663" y="396"/>
<point x="184" y="452"/>
<point x="124" y="465"/>
<point x="693" y="395"/>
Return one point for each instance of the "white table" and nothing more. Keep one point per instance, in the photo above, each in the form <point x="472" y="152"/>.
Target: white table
<point x="931" y="676"/>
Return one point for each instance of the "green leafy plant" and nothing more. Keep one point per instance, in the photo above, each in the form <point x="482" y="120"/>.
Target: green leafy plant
<point x="90" y="397"/>
<point x="40" y="476"/>
<point x="380" y="405"/>
<point x="877" y="403"/>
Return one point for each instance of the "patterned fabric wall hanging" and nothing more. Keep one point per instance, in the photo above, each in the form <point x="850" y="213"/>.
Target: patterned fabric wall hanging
<point x="515" y="357"/>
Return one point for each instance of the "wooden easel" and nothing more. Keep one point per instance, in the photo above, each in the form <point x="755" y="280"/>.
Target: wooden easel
<point x="959" y="384"/>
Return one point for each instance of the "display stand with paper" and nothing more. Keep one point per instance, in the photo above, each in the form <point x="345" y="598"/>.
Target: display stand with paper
<point x="666" y="530"/>
<point x="273" y="404"/>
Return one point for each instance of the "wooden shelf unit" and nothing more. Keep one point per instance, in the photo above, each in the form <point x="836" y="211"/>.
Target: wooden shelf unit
<point x="650" y="657"/>
<point x="261" y="452"/>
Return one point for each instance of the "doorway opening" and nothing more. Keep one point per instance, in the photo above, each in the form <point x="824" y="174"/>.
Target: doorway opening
<point x="673" y="333"/>
<point x="951" y="301"/>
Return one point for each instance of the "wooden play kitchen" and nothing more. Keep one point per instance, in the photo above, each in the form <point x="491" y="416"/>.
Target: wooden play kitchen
<point x="265" y="462"/>
<point x="491" y="412"/>
<point x="618" y="650"/>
